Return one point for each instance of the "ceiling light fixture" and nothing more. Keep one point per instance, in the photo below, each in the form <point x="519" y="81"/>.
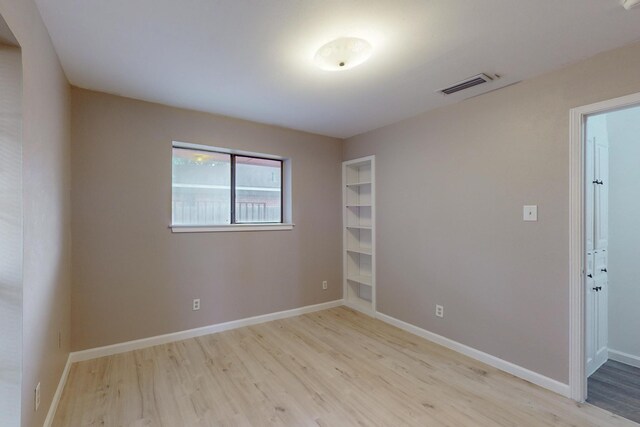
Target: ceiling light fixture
<point x="343" y="53"/>
<point x="628" y="4"/>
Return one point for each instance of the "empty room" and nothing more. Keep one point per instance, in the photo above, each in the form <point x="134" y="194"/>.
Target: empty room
<point x="319" y="213"/>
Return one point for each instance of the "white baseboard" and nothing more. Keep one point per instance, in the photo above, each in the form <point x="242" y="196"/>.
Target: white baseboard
<point x="58" y="394"/>
<point x="496" y="362"/>
<point x="626" y="358"/>
<point x="503" y="365"/>
<point x="359" y="308"/>
<point x="109" y="350"/>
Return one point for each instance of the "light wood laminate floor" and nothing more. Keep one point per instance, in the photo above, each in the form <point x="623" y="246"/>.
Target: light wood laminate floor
<point x="330" y="368"/>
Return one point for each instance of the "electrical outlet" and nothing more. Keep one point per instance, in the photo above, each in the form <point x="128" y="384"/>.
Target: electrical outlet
<point x="196" y="304"/>
<point x="439" y="310"/>
<point x="37" y="397"/>
<point x="324" y="285"/>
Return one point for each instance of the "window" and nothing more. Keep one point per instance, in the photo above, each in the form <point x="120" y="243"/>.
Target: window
<point x="211" y="188"/>
<point x="258" y="190"/>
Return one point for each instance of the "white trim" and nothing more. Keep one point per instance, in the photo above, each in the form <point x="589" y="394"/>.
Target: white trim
<point x="225" y="187"/>
<point x="577" y="365"/>
<point x="626" y="358"/>
<point x="360" y="307"/>
<point x="503" y="365"/>
<point x="188" y="145"/>
<point x="577" y="369"/>
<point x="58" y="394"/>
<point x="600" y="362"/>
<point x="109" y="350"/>
<point x="229" y="227"/>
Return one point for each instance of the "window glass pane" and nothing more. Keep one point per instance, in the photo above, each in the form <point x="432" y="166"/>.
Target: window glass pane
<point x="201" y="186"/>
<point x="258" y="190"/>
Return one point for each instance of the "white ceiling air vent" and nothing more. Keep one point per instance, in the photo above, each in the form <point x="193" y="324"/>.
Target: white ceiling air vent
<point x="466" y="84"/>
<point x="628" y="4"/>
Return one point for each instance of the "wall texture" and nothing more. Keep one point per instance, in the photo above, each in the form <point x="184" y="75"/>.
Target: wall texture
<point x="451" y="186"/>
<point x="133" y="278"/>
<point x="624" y="231"/>
<point x="10" y="234"/>
<point x="46" y="204"/>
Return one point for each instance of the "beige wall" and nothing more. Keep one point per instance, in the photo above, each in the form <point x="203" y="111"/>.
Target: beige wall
<point x="624" y="231"/>
<point x="133" y="278"/>
<point x="451" y="186"/>
<point x="46" y="272"/>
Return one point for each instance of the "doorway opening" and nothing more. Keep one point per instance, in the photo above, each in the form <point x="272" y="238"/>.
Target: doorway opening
<point x="605" y="245"/>
<point x="10" y="227"/>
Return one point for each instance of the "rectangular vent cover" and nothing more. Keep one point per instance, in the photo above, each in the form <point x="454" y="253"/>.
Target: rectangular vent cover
<point x="466" y="84"/>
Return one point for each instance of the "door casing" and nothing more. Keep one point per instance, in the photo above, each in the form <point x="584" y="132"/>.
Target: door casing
<point x="577" y="252"/>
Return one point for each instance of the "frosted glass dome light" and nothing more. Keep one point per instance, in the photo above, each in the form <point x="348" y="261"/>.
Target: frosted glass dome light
<point x="343" y="53"/>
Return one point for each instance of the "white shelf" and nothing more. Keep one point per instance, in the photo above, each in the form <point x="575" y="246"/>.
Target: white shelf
<point x="358" y="206"/>
<point x="363" y="280"/>
<point x="363" y="251"/>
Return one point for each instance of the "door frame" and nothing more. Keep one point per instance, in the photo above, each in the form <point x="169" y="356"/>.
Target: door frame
<point x="577" y="294"/>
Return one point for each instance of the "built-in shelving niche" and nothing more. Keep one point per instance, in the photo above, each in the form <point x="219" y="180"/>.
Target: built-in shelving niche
<point x="359" y="233"/>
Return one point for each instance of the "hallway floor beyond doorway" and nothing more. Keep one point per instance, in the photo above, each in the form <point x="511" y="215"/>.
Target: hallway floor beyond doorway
<point x="616" y="388"/>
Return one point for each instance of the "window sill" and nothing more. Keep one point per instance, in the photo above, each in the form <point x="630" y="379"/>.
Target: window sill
<point x="229" y="227"/>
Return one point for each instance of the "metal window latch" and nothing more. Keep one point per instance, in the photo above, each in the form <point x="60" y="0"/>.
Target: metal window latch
<point x="590" y="275"/>
<point x="603" y="269"/>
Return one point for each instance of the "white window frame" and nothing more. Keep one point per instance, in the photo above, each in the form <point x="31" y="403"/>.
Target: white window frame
<point x="287" y="214"/>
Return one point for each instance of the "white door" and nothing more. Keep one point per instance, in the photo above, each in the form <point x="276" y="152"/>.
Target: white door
<point x="601" y="242"/>
<point x="591" y="326"/>
<point x="596" y="308"/>
<point x="590" y="180"/>
<point x="601" y="283"/>
<point x="601" y="193"/>
<point x="596" y="241"/>
<point x="601" y="338"/>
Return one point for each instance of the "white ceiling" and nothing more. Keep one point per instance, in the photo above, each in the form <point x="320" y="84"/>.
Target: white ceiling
<point x="253" y="59"/>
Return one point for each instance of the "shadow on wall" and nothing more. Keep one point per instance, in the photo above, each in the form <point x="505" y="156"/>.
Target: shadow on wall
<point x="10" y="227"/>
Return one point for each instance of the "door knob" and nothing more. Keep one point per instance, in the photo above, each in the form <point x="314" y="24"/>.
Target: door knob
<point x="603" y="269"/>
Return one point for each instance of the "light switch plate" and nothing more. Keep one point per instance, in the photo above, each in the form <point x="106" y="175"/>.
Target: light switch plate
<point x="530" y="213"/>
